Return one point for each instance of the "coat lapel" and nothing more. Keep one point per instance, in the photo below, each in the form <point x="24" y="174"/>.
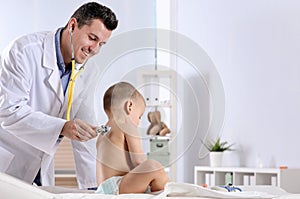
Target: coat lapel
<point x="50" y="63"/>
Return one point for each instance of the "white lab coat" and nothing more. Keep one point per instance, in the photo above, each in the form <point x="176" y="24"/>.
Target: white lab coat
<point x="32" y="104"/>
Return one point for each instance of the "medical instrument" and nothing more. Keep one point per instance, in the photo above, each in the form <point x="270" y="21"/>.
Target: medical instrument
<point x="231" y="188"/>
<point x="103" y="130"/>
<point x="226" y="188"/>
<point x="73" y="77"/>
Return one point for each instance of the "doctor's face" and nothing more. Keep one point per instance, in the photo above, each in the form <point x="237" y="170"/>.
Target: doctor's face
<point x="88" y="39"/>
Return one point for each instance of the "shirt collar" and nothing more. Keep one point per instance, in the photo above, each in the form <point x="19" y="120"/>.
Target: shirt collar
<point x="59" y="58"/>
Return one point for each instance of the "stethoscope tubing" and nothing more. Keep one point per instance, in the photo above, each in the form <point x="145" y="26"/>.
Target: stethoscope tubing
<point x="73" y="77"/>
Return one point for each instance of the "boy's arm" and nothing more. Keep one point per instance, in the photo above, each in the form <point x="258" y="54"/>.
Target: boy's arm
<point x="135" y="148"/>
<point x="98" y="163"/>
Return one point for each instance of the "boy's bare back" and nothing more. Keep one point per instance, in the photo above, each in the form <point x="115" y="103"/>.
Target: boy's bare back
<point x="112" y="155"/>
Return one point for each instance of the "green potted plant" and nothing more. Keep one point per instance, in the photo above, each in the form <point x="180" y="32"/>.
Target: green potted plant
<point x="216" y="149"/>
<point x="218" y="146"/>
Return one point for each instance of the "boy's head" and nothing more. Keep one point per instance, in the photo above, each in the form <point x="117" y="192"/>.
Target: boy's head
<point x="123" y="99"/>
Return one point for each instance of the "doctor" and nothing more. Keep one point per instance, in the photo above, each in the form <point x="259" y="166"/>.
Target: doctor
<point x="34" y="78"/>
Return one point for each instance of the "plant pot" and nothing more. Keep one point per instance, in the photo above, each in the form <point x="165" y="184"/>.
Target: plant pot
<point x="215" y="158"/>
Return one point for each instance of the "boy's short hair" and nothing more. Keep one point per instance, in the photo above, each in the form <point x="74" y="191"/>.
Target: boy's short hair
<point x="117" y="94"/>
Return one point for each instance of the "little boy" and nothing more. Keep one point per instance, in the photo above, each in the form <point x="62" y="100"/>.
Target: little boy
<point x="122" y="166"/>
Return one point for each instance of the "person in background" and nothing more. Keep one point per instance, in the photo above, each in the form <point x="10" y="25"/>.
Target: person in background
<point x="122" y="166"/>
<point x="34" y="91"/>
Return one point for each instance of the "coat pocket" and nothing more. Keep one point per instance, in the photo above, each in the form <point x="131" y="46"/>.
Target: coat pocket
<point x="6" y="158"/>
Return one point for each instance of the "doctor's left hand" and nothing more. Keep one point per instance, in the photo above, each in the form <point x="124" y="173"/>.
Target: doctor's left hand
<point x="78" y="130"/>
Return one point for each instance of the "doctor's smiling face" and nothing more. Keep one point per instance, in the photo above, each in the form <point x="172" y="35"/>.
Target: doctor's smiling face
<point x="89" y="28"/>
<point x="88" y="39"/>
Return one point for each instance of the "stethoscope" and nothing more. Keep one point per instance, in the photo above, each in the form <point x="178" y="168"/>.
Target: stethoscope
<point x="103" y="129"/>
<point x="73" y="77"/>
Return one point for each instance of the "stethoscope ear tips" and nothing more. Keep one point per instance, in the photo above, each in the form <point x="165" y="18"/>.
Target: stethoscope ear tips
<point x="71" y="29"/>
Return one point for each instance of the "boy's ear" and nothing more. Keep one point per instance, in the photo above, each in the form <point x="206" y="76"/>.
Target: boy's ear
<point x="128" y="106"/>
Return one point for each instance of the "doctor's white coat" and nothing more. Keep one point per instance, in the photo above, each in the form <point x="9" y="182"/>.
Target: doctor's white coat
<point x="32" y="104"/>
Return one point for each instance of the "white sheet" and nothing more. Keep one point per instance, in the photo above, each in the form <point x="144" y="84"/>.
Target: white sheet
<point x="190" y="191"/>
<point x="12" y="188"/>
<point x="184" y="189"/>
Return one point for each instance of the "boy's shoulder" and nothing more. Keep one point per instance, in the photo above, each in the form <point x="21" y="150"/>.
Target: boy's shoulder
<point x="114" y="135"/>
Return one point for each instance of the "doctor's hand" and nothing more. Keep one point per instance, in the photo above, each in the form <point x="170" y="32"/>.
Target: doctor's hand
<point x="78" y="130"/>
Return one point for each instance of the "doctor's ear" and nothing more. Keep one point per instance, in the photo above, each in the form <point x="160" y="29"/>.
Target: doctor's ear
<point x="71" y="29"/>
<point x="128" y="106"/>
<point x="72" y="23"/>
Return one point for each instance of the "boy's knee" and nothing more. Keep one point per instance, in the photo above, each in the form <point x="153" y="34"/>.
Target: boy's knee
<point x="154" y="165"/>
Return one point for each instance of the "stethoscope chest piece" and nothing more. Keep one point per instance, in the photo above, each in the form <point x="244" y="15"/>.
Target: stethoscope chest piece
<point x="103" y="130"/>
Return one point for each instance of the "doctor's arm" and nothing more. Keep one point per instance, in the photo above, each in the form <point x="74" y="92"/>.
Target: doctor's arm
<point x="22" y="110"/>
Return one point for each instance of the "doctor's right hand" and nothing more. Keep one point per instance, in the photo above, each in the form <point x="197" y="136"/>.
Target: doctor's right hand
<point x="78" y="130"/>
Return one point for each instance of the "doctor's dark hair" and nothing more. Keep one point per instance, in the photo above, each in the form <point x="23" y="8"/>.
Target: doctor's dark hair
<point x="115" y="95"/>
<point x="92" y="10"/>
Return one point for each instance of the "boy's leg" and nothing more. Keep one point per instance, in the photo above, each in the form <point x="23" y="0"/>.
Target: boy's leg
<point x="149" y="173"/>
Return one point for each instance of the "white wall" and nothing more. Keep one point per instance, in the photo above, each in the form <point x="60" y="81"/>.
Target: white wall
<point x="255" y="47"/>
<point x="21" y="17"/>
